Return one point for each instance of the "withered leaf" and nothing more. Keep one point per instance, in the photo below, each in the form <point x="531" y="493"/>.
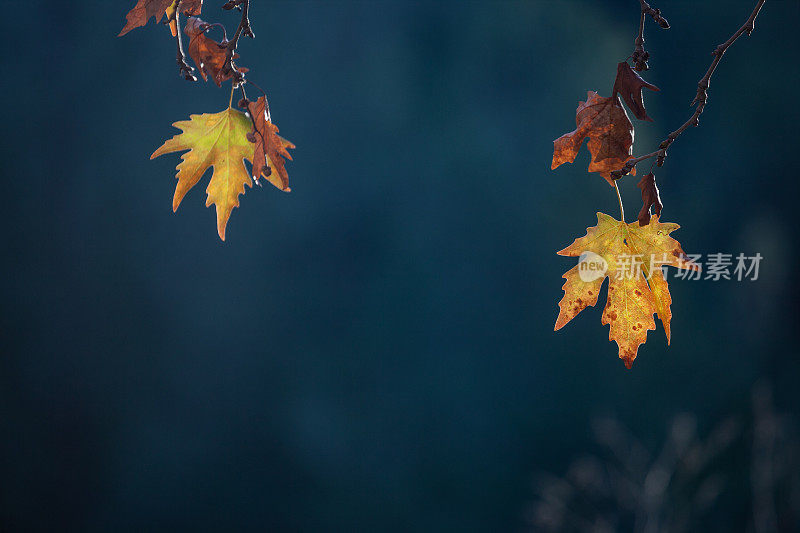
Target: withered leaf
<point x="270" y="148"/>
<point x="629" y="85"/>
<point x="191" y="7"/>
<point x="650" y="197"/>
<point x="142" y="11"/>
<point x="209" y="55"/>
<point x="610" y="133"/>
<point x="631" y="257"/>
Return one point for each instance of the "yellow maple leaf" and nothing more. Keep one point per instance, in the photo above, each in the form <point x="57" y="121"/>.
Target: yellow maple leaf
<point x="631" y="257"/>
<point x="216" y="140"/>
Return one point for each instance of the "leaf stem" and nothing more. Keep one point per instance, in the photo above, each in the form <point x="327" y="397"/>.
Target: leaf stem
<point x="619" y="199"/>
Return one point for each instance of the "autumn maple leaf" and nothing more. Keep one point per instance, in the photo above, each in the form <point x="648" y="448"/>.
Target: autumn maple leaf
<point x="142" y="11"/>
<point x="270" y="148"/>
<point x="216" y="140"/>
<point x="610" y="133"/>
<point x="630" y="256"/>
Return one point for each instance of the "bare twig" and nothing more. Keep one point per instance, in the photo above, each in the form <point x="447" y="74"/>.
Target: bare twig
<point x="640" y="56"/>
<point x="654" y="13"/>
<point x="700" y="98"/>
<point x="243" y="29"/>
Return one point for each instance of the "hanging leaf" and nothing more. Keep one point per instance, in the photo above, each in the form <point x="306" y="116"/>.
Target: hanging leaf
<point x="142" y="11"/>
<point x="629" y="85"/>
<point x="650" y="198"/>
<point x="610" y="133"/>
<point x="270" y="148"/>
<point x="209" y="55"/>
<point x="630" y="256"/>
<point x="216" y="140"/>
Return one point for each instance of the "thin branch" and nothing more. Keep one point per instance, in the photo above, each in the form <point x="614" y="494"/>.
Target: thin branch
<point x="655" y="14"/>
<point x="640" y="56"/>
<point x="700" y="98"/>
<point x="243" y="29"/>
<point x="185" y="70"/>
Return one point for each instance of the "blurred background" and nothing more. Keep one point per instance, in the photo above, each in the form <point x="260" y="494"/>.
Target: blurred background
<point x="375" y="350"/>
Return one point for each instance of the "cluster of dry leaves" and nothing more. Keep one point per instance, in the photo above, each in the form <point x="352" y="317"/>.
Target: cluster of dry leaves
<point x="638" y="293"/>
<point x="642" y="291"/>
<point x="604" y="121"/>
<point x="223" y="140"/>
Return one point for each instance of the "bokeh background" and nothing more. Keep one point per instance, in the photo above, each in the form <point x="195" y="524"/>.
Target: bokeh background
<point x="374" y="351"/>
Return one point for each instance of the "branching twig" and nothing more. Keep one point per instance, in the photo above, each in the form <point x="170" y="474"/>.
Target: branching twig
<point x="700" y="98"/>
<point x="243" y="29"/>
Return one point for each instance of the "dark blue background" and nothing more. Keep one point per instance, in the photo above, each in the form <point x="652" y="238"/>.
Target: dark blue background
<point x="374" y="351"/>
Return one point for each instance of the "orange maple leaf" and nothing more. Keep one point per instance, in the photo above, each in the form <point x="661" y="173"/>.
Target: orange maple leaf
<point x="610" y="133"/>
<point x="270" y="148"/>
<point x="142" y="11"/>
<point x="631" y="257"/>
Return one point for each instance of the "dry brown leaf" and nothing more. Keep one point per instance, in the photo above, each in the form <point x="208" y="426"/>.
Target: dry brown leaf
<point x="610" y="133"/>
<point x="208" y="54"/>
<point x="650" y="197"/>
<point x="629" y="85"/>
<point x="270" y="148"/>
<point x="142" y="11"/>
